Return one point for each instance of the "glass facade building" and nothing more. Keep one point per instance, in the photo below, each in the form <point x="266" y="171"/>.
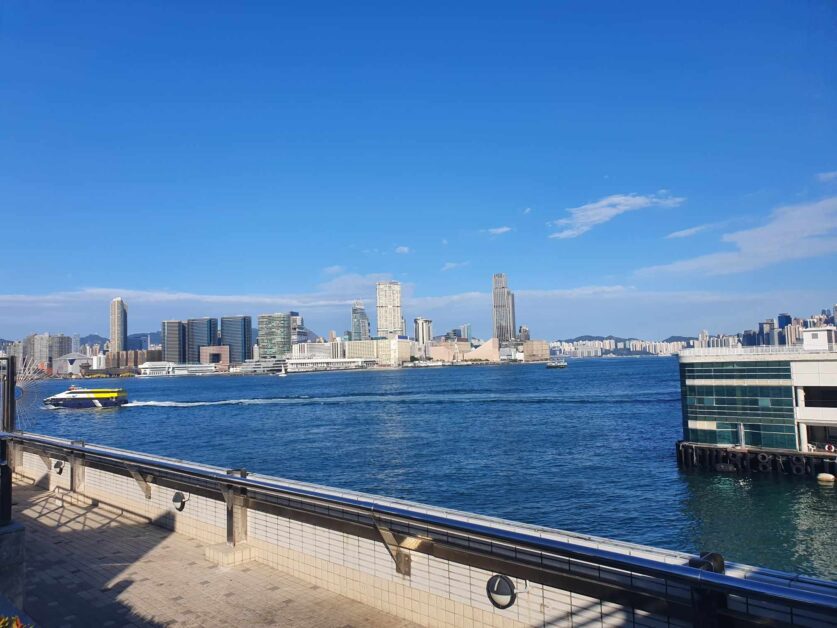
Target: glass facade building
<point x="725" y="401"/>
<point x="200" y="332"/>
<point x="173" y="339"/>
<point x="237" y="334"/>
<point x="274" y="335"/>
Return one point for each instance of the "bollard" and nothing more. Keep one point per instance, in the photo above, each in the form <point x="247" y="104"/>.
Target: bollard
<point x="707" y="603"/>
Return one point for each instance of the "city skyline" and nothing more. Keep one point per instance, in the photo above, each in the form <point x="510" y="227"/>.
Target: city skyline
<point x="703" y="196"/>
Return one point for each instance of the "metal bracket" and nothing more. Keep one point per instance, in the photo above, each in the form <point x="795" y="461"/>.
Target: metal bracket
<point x="227" y="494"/>
<point x="400" y="556"/>
<point x="141" y="480"/>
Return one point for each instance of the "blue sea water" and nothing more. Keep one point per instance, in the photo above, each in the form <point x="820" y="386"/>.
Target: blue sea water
<point x="590" y="448"/>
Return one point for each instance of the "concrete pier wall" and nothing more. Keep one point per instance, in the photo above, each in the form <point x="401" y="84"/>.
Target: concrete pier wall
<point x="442" y="586"/>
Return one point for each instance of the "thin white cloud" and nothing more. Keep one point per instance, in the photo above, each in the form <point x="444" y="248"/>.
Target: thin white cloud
<point x="453" y="265"/>
<point x="825" y="177"/>
<point x="334" y="270"/>
<point x="585" y="217"/>
<point x="527" y="210"/>
<point x="495" y="231"/>
<point x="445" y="242"/>
<point x="402" y="250"/>
<point x="793" y="232"/>
<point x="686" y="233"/>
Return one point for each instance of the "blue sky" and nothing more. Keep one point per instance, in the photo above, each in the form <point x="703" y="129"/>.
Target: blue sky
<point x="637" y="169"/>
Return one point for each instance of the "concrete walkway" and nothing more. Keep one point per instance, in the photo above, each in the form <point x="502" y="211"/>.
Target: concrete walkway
<point x="90" y="567"/>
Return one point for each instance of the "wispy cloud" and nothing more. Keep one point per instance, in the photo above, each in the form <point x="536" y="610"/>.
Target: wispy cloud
<point x="495" y="231"/>
<point x="527" y="210"/>
<point x="585" y="217"/>
<point x="686" y="233"/>
<point x="453" y="265"/>
<point x="402" y="250"/>
<point x="334" y="270"/>
<point x="825" y="177"/>
<point x="792" y="232"/>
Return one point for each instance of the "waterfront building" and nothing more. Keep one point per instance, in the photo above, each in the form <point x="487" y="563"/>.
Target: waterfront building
<point x="118" y="325"/>
<point x="237" y="334"/>
<point x="503" y="310"/>
<point x="174" y="341"/>
<point x="388" y="304"/>
<point x="535" y="350"/>
<point x="770" y="397"/>
<point x="200" y="332"/>
<point x="465" y="331"/>
<point x="423" y="330"/>
<point x="361" y="329"/>
<point x="72" y="364"/>
<point x="219" y="355"/>
<point x="385" y="351"/>
<point x="312" y="350"/>
<point x="274" y="335"/>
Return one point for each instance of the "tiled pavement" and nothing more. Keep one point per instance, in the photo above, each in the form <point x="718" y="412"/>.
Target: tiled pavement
<point x="89" y="567"/>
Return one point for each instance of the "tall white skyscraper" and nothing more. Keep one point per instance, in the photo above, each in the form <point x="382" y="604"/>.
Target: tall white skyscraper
<point x="118" y="325"/>
<point x="390" y="320"/>
<point x="504" y="325"/>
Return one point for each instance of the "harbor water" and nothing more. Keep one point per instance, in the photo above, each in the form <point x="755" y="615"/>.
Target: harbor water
<point x="589" y="448"/>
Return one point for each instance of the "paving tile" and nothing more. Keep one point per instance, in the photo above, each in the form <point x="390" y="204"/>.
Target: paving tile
<point x="86" y="567"/>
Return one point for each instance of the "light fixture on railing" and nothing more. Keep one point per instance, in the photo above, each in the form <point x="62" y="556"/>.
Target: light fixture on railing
<point x="179" y="500"/>
<point x="58" y="466"/>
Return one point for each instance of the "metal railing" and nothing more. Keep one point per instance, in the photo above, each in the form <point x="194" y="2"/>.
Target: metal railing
<point x="475" y="531"/>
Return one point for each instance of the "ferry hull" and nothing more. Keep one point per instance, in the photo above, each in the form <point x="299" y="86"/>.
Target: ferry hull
<point x="85" y="403"/>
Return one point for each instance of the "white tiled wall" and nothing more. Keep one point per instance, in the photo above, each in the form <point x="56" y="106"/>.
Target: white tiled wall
<point x="437" y="593"/>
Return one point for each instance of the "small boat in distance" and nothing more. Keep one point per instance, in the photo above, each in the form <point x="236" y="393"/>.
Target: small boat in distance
<point x="556" y="363"/>
<point x="283" y="372"/>
<point x="88" y="398"/>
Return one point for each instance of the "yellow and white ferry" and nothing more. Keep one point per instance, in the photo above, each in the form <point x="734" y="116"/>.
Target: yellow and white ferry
<point x="88" y="398"/>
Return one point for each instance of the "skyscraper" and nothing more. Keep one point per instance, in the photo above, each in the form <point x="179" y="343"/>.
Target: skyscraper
<point x="174" y="341"/>
<point x="390" y="320"/>
<point x="200" y="332"/>
<point x="784" y="320"/>
<point x="504" y="325"/>
<point x="361" y="329"/>
<point x="118" y="325"/>
<point x="424" y="330"/>
<point x="237" y="333"/>
<point x="465" y="329"/>
<point x="274" y="335"/>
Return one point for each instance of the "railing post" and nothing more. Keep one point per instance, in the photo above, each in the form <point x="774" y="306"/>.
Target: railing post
<point x="8" y="426"/>
<point x="77" y="469"/>
<point x="237" y="511"/>
<point x="707" y="603"/>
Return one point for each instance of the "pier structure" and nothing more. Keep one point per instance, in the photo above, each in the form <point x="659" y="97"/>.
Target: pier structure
<point x="764" y="405"/>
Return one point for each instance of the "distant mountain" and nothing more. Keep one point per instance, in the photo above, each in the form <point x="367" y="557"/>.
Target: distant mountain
<point x="618" y="339"/>
<point x="92" y="339"/>
<point x="589" y="338"/>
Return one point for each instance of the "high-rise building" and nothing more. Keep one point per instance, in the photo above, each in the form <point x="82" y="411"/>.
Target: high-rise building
<point x="783" y="320"/>
<point x="173" y="339"/>
<point x="274" y="335"/>
<point x="424" y="330"/>
<point x="200" y="332"/>
<point x="237" y="334"/>
<point x="390" y="321"/>
<point x="504" y="325"/>
<point x="118" y="325"/>
<point x="76" y="344"/>
<point x="361" y="329"/>
<point x="465" y="331"/>
<point x="59" y="345"/>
